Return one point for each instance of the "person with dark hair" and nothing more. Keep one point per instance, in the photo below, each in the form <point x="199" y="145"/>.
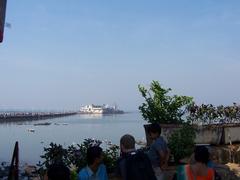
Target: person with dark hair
<point x="201" y="154"/>
<point x="199" y="170"/>
<point x="158" y="152"/>
<point x="58" y="172"/>
<point x="95" y="169"/>
<point x="133" y="164"/>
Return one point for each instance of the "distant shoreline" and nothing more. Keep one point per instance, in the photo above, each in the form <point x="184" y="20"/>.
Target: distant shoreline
<point x="108" y="113"/>
<point x="17" y="117"/>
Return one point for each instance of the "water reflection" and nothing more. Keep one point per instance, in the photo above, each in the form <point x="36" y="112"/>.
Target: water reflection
<point x="91" y="116"/>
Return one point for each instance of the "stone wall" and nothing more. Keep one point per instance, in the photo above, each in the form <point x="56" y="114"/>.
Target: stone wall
<point x="214" y="135"/>
<point x="231" y="133"/>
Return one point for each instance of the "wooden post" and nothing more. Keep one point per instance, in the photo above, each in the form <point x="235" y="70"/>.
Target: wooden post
<point x="3" y="4"/>
<point x="13" y="172"/>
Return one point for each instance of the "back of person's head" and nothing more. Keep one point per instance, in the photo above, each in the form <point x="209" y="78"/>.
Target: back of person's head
<point x="154" y="128"/>
<point x="93" y="153"/>
<point x="201" y="154"/>
<point x="58" y="172"/>
<point x="127" y="141"/>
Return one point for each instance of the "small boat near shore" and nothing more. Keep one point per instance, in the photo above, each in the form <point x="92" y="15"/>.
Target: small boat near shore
<point x="31" y="130"/>
<point x="43" y="124"/>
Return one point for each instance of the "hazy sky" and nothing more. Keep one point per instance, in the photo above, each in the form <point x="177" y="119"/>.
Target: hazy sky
<point x="61" y="54"/>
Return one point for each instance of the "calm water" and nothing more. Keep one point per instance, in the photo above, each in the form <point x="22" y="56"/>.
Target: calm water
<point x="79" y="127"/>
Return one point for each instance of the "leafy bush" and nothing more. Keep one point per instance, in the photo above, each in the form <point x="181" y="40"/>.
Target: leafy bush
<point x="181" y="142"/>
<point x="111" y="155"/>
<point x="75" y="155"/>
<point x="55" y="154"/>
<point x="159" y="107"/>
<point x="208" y="114"/>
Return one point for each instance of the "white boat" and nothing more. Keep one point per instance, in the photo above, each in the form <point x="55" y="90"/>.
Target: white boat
<point x="96" y="109"/>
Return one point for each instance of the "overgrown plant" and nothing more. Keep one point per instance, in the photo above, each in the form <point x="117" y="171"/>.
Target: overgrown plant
<point x="55" y="154"/>
<point x="160" y="107"/>
<point x="111" y="155"/>
<point x="207" y="114"/>
<point x="181" y="142"/>
<point x="75" y="155"/>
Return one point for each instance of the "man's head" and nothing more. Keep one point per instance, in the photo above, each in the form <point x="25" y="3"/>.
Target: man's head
<point x="201" y="154"/>
<point x="94" y="155"/>
<point x="154" y="130"/>
<point x="58" y="172"/>
<point x="127" y="143"/>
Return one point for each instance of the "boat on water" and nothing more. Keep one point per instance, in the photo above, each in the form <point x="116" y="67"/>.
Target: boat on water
<point x="31" y="130"/>
<point x="98" y="109"/>
<point x="43" y="124"/>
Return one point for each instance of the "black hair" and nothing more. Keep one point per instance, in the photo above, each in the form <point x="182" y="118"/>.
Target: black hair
<point x="128" y="141"/>
<point x="201" y="154"/>
<point x="154" y="128"/>
<point x="93" y="153"/>
<point x="58" y="172"/>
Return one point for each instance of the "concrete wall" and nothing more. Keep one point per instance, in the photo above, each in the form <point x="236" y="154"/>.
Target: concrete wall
<point x="206" y="135"/>
<point x="231" y="133"/>
<point x="213" y="135"/>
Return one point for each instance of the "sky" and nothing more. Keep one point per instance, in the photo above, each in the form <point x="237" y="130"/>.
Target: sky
<point x="62" y="54"/>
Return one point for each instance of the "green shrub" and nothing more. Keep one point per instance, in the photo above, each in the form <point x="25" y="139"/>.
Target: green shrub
<point x="55" y="154"/>
<point x="207" y="114"/>
<point x="75" y="155"/>
<point x="181" y="142"/>
<point x="160" y="107"/>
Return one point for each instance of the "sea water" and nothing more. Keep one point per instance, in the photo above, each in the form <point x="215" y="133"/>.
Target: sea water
<point x="65" y="131"/>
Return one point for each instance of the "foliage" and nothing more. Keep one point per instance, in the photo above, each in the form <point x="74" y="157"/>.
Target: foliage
<point x="181" y="142"/>
<point x="110" y="157"/>
<point x="161" y="107"/>
<point x="75" y="155"/>
<point x="209" y="114"/>
<point x="55" y="154"/>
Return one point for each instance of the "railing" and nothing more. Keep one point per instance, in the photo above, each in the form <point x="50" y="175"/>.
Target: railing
<point x="13" y="171"/>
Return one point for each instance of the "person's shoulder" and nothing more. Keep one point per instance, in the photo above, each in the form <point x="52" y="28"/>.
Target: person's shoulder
<point x="102" y="166"/>
<point x="83" y="173"/>
<point x="102" y="172"/>
<point x="141" y="152"/>
<point x="139" y="155"/>
<point x="121" y="160"/>
<point x="160" y="139"/>
<point x="102" y="169"/>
